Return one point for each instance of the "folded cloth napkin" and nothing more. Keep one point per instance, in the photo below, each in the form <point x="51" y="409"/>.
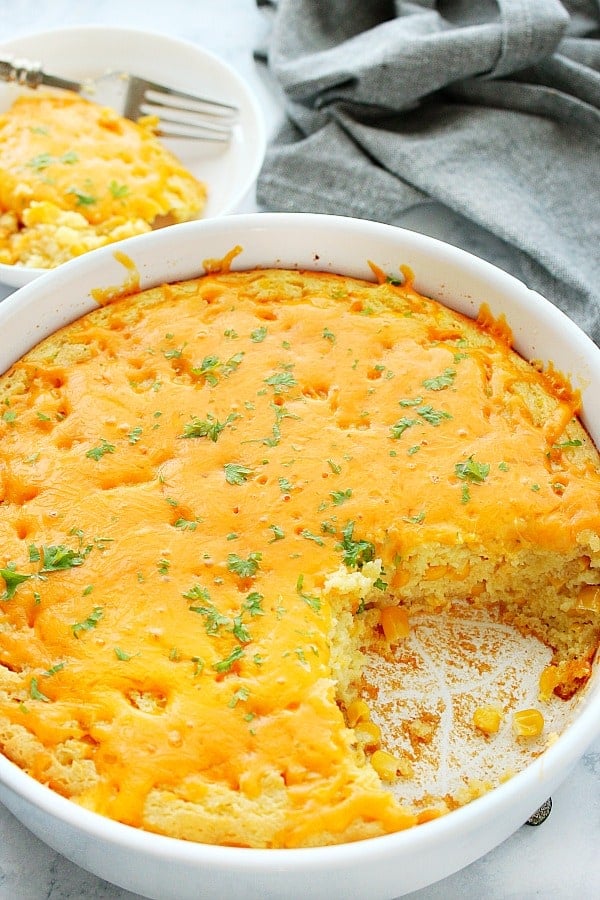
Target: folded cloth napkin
<point x="485" y="111"/>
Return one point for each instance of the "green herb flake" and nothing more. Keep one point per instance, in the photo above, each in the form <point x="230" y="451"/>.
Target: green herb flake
<point x="281" y="381"/>
<point x="285" y="485"/>
<point x="88" y="624"/>
<point x="340" y="497"/>
<point x="278" y="533"/>
<point x="225" y="665"/>
<point x="213" y="619"/>
<point x="329" y="335"/>
<point x="240" y="630"/>
<point x="35" y="693"/>
<point x="310" y="600"/>
<point x="309" y="536"/>
<point x="240" y="696"/>
<point x="101" y="450"/>
<point x="83" y="199"/>
<point x="209" y="427"/>
<point x="56" y="557"/>
<point x="186" y="524"/>
<point x="258" y="335"/>
<point x="398" y="429"/>
<point x="433" y="416"/>
<point x="335" y="468"/>
<point x="416" y="402"/>
<point x="472" y="471"/>
<point x="355" y="553"/>
<point x="134" y="435"/>
<point x="245" y="568"/>
<point x="12" y="580"/>
<point x="440" y="382"/>
<point x="40" y="162"/>
<point x="564" y="445"/>
<point x="117" y="190"/>
<point x="122" y="655"/>
<point x="235" y="473"/>
<point x="253" y="604"/>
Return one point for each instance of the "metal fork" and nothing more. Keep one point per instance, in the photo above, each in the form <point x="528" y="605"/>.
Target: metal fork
<point x="181" y="115"/>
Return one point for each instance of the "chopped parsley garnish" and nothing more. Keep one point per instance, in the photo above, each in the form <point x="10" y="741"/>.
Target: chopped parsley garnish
<point x="118" y="190"/>
<point x="355" y="553"/>
<point x="35" y="693"/>
<point x="209" y="427"/>
<point x="310" y="600"/>
<point x="433" y="416"/>
<point x="253" y="604"/>
<point x="241" y="695"/>
<point x="285" y="485"/>
<point x="329" y="335"/>
<point x="440" y="382"/>
<point x="57" y="557"/>
<point x="240" y="631"/>
<point x="340" y="497"/>
<point x="259" y="334"/>
<point x="225" y="665"/>
<point x="305" y="533"/>
<point x="245" y="568"/>
<point x="212" y="367"/>
<point x="278" y="533"/>
<point x="416" y="402"/>
<point x="472" y="471"/>
<point x="186" y="524"/>
<point x="213" y="619"/>
<point x="101" y="450"/>
<point x="281" y="381"/>
<point x="398" y="429"/>
<point x="235" y="473"/>
<point x="122" y="655"/>
<point x="89" y="623"/>
<point x="197" y="592"/>
<point x="134" y="435"/>
<point x="12" y="580"/>
<point x="82" y="198"/>
<point x="565" y="444"/>
<point x="335" y="468"/>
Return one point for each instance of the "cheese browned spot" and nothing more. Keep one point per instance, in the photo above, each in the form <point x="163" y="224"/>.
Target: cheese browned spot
<point x="75" y="176"/>
<point x="209" y="493"/>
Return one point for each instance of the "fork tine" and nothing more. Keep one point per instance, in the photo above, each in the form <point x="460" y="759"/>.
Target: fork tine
<point x="165" y="96"/>
<point x="189" y="126"/>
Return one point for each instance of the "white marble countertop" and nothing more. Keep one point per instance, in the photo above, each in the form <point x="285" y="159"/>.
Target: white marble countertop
<point x="558" y="860"/>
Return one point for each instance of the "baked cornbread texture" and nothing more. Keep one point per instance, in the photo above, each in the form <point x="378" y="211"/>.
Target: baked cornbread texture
<point x="213" y="494"/>
<point x="75" y="176"/>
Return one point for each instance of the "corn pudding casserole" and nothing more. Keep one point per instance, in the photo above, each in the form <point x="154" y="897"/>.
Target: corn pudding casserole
<point x="75" y="176"/>
<point x="216" y="495"/>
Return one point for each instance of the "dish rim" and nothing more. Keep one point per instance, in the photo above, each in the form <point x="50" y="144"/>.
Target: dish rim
<point x="536" y="780"/>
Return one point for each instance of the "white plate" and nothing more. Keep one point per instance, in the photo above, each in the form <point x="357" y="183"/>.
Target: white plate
<point x="229" y="170"/>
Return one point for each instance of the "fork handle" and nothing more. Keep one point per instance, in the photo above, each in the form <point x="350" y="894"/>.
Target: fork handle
<point x="30" y="74"/>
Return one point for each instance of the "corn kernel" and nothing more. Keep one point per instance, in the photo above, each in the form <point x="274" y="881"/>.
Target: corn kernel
<point x="368" y="734"/>
<point x="387" y="766"/>
<point x="358" y="711"/>
<point x="394" y="621"/>
<point x="427" y="815"/>
<point x="487" y="719"/>
<point x="528" y="723"/>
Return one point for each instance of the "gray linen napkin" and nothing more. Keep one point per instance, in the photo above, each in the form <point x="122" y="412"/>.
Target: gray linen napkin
<point x="487" y="113"/>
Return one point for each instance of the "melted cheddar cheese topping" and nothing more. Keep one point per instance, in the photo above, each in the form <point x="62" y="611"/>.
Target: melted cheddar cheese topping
<point x="75" y="176"/>
<point x="210" y="491"/>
